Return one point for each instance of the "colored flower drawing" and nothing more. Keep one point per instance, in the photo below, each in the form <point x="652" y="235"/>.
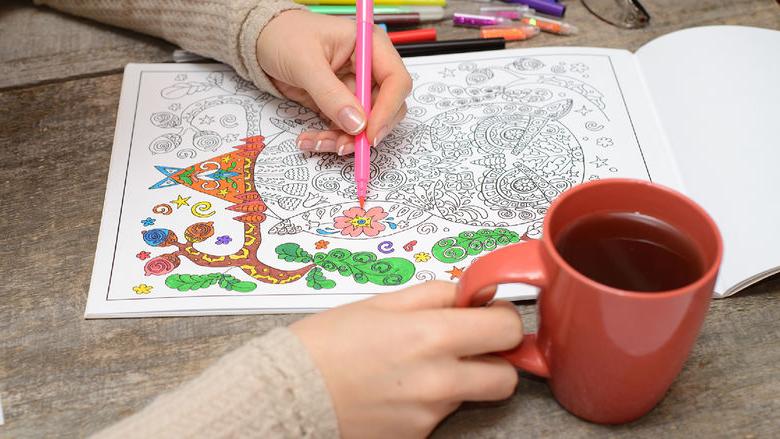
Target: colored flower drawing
<point x="321" y="244"/>
<point x="357" y="221"/>
<point x="142" y="255"/>
<point x="142" y="289"/>
<point x="161" y="265"/>
<point x="223" y="240"/>
<point x="422" y="257"/>
<point x="148" y="221"/>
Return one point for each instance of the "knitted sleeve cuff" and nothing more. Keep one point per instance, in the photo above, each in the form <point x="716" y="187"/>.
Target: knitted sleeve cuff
<point x="269" y="387"/>
<point x="256" y="20"/>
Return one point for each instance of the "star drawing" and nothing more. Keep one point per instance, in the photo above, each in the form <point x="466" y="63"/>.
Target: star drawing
<point x="181" y="201"/>
<point x="583" y="110"/>
<point x="447" y="73"/>
<point x="455" y="273"/>
<point x="599" y="162"/>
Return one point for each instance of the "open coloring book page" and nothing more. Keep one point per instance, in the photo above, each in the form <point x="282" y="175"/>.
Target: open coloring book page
<point x="212" y="209"/>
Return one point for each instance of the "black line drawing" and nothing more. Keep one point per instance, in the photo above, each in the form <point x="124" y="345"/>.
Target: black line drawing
<point x="604" y="142"/>
<point x="483" y="145"/>
<point x="592" y="125"/>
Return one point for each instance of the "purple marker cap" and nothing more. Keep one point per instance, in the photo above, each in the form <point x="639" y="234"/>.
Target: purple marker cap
<point x="542" y="6"/>
<point x="472" y="20"/>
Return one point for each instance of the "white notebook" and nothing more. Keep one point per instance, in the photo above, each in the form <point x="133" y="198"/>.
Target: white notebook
<point x="198" y="221"/>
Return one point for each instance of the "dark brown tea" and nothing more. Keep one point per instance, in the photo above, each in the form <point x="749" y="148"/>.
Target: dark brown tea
<point x="630" y="251"/>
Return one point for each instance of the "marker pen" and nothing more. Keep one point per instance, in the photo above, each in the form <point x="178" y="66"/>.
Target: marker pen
<point x="376" y="2"/>
<point x="472" y="20"/>
<point x="509" y="33"/>
<point x="450" y="46"/>
<point x="412" y="36"/>
<point x="410" y="19"/>
<point x="545" y="7"/>
<point x="427" y="13"/>
<point x="549" y="25"/>
<point x="364" y="18"/>
<point x="510" y="12"/>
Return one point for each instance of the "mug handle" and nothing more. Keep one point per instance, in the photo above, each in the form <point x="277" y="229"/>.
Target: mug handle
<point x="516" y="263"/>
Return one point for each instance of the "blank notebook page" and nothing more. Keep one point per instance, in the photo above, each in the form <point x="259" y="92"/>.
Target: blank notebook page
<point x="717" y="94"/>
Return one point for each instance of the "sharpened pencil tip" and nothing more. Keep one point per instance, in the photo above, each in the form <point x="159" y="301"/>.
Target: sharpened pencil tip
<point x="362" y="201"/>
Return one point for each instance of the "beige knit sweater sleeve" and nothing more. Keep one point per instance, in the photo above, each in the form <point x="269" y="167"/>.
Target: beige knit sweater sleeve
<point x="225" y="30"/>
<point x="267" y="388"/>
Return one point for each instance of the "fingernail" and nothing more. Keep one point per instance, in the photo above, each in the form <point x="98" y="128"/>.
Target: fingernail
<point x="380" y="136"/>
<point x="306" y="145"/>
<point x="351" y="120"/>
<point x="325" y="145"/>
<point x="346" y="146"/>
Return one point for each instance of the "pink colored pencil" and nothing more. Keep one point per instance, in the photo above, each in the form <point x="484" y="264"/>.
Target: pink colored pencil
<point x="365" y="21"/>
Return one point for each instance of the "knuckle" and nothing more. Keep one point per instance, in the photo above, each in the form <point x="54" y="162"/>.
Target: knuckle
<point x="439" y="386"/>
<point x="406" y="83"/>
<point x="425" y="420"/>
<point x="327" y="93"/>
<point x="439" y="284"/>
<point x="401" y="111"/>
<point x="435" y="335"/>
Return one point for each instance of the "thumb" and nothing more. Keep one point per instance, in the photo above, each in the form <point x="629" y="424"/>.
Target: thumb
<point x="334" y="98"/>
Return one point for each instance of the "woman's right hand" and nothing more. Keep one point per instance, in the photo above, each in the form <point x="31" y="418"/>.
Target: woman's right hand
<point x="396" y="364"/>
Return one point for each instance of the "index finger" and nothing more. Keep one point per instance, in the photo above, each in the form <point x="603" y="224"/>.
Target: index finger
<point x="394" y="83"/>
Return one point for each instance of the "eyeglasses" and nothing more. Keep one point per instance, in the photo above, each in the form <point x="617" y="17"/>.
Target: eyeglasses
<point x="629" y="14"/>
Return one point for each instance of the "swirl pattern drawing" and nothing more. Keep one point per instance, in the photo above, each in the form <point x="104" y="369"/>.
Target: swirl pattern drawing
<point x="488" y="144"/>
<point x="490" y="148"/>
<point x="222" y="199"/>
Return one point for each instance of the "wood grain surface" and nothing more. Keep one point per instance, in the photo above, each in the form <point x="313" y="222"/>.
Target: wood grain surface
<point x="63" y="376"/>
<point x="39" y="45"/>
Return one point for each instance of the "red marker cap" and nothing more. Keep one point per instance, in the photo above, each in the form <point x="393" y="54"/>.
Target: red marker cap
<point x="412" y="36"/>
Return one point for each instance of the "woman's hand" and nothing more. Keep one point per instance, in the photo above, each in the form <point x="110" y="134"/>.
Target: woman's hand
<point x="397" y="364"/>
<point x="310" y="59"/>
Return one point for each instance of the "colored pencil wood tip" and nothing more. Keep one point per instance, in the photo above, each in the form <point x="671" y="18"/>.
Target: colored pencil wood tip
<point x="362" y="201"/>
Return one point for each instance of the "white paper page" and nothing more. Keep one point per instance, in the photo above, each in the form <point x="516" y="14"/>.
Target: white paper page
<point x="490" y="140"/>
<point x="717" y="94"/>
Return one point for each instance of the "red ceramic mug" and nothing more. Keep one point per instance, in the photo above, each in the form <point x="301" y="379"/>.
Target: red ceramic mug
<point x="609" y="354"/>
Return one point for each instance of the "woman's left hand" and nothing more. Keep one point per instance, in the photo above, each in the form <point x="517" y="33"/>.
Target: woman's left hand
<point x="310" y="59"/>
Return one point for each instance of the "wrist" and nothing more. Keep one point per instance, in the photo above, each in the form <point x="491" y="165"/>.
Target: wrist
<point x="253" y="34"/>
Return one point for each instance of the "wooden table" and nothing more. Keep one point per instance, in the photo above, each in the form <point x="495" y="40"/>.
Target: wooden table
<point x="61" y="375"/>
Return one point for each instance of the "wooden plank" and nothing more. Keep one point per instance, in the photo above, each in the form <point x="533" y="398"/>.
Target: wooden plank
<point x="40" y="44"/>
<point x="728" y="388"/>
<point x="666" y="16"/>
<point x="63" y="376"/>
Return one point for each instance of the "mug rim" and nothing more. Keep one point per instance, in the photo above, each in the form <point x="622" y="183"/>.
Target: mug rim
<point x="709" y="273"/>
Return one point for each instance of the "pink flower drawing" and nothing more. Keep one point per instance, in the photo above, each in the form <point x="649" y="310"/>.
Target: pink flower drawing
<point x="357" y="221"/>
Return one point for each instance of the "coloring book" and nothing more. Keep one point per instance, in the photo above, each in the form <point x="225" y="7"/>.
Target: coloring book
<point x="212" y="209"/>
